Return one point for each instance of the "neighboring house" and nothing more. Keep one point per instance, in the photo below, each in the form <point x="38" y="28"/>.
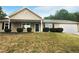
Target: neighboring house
<point x="25" y="18"/>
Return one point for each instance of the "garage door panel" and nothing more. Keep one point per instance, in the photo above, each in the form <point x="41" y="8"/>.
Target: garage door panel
<point x="69" y="27"/>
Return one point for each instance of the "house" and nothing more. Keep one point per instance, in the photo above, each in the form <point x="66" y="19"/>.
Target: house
<point x="25" y="18"/>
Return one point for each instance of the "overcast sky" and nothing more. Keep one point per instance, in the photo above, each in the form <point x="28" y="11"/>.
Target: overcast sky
<point x="41" y="10"/>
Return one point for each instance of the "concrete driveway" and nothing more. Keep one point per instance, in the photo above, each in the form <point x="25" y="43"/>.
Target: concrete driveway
<point x="76" y="33"/>
<point x="73" y="32"/>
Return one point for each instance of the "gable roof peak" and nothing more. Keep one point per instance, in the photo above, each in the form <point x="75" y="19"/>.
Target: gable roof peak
<point x="23" y="9"/>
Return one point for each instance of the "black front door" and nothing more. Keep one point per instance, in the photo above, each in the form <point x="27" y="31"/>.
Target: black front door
<point x="37" y="28"/>
<point x="6" y="26"/>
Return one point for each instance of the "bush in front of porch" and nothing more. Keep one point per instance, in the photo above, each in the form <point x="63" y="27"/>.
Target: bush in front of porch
<point x="29" y="29"/>
<point x="19" y="29"/>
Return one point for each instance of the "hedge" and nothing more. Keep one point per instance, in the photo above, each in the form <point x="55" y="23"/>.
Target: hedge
<point x="19" y="29"/>
<point x="7" y="30"/>
<point x="56" y="29"/>
<point x="46" y="29"/>
<point x="29" y="29"/>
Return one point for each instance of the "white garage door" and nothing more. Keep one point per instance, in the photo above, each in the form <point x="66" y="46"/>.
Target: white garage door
<point x="70" y="28"/>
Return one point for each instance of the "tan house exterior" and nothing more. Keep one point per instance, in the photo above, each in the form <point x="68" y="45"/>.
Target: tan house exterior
<point x="25" y="18"/>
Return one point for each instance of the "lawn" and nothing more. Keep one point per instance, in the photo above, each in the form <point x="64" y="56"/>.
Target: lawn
<point x="39" y="43"/>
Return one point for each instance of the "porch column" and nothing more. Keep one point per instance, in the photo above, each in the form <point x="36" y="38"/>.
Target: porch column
<point x="53" y="25"/>
<point x="41" y="26"/>
<point x="2" y="25"/>
<point x="9" y="24"/>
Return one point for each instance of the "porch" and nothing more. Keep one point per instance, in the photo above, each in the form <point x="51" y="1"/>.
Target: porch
<point x="35" y="25"/>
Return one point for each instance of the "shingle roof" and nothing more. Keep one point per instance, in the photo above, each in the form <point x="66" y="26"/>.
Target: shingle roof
<point x="58" y="21"/>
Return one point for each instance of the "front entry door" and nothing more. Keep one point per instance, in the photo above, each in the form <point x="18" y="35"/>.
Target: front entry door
<point x="37" y="27"/>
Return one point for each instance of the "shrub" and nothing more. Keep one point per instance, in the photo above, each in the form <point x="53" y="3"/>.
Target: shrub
<point x="59" y="29"/>
<point x="45" y="29"/>
<point x="19" y="29"/>
<point x="52" y="30"/>
<point x="29" y="29"/>
<point x="56" y="29"/>
<point x="7" y="30"/>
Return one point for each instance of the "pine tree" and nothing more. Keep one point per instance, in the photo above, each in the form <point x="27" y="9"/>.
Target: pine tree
<point x="2" y="14"/>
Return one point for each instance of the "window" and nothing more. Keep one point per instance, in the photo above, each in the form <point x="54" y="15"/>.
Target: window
<point x="26" y="26"/>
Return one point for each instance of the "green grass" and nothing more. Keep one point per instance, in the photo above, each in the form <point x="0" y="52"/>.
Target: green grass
<point x="39" y="42"/>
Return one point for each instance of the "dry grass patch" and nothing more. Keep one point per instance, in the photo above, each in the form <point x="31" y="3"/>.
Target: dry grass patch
<point x="38" y="42"/>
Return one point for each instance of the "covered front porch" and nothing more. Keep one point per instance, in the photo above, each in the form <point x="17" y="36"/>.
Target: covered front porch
<point x="4" y="24"/>
<point x="35" y="25"/>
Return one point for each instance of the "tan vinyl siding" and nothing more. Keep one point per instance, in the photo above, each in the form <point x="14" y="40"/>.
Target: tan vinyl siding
<point x="25" y="14"/>
<point x="1" y="28"/>
<point x="56" y="25"/>
<point x="14" y="26"/>
<point x="78" y="27"/>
